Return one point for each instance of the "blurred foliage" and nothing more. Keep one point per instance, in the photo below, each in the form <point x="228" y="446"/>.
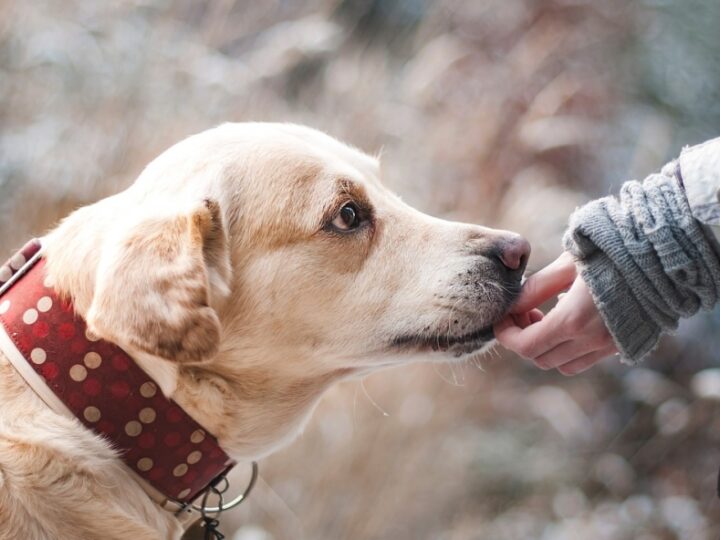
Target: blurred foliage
<point x="676" y="58"/>
<point x="504" y="112"/>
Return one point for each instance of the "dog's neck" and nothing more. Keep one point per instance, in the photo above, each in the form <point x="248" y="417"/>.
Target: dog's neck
<point x="252" y="407"/>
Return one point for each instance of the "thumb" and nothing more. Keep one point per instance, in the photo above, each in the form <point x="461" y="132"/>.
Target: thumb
<point x="546" y="283"/>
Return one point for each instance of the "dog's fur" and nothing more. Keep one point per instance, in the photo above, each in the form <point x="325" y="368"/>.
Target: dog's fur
<point x="258" y="304"/>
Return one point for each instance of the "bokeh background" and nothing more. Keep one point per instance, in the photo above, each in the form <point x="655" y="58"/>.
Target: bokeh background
<point x="503" y="112"/>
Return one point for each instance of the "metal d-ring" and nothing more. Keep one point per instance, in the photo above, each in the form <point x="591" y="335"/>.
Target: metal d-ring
<point x="236" y="501"/>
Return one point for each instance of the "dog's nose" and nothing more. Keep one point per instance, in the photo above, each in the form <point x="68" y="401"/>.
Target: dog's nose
<point x="513" y="252"/>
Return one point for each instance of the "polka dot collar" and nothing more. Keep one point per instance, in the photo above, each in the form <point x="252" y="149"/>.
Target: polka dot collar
<point x="103" y="387"/>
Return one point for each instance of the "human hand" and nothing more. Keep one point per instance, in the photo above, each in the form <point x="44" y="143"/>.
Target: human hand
<point x="571" y="337"/>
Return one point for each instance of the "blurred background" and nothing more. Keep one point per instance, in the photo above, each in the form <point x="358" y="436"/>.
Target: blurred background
<point x="504" y="112"/>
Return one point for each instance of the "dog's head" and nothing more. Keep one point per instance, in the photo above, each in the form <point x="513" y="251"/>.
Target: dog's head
<point x="276" y="243"/>
<point x="330" y="263"/>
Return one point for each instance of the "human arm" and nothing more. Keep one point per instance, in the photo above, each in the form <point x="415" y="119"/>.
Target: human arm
<point x="644" y="260"/>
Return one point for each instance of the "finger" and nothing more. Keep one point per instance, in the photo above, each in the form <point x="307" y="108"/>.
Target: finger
<point x="585" y="362"/>
<point x="536" y="316"/>
<point x="503" y="326"/>
<point x="546" y="283"/>
<point x="570" y="350"/>
<point x="523" y="320"/>
<point x="530" y="342"/>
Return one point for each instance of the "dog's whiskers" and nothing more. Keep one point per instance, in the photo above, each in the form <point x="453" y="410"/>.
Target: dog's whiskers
<point x="375" y="403"/>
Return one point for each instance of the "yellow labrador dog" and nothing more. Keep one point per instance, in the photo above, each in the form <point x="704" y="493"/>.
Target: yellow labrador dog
<point x="246" y="270"/>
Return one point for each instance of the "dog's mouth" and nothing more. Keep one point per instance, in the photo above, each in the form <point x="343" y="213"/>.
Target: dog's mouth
<point x="458" y="345"/>
<point x="462" y="344"/>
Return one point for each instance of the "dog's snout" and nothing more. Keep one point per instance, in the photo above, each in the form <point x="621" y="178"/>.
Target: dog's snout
<point x="513" y="253"/>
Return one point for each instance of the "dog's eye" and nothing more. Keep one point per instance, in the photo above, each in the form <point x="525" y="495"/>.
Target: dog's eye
<point x="348" y="218"/>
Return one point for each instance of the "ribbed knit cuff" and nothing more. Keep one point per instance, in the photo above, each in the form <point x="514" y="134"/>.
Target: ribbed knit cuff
<point x="634" y="332"/>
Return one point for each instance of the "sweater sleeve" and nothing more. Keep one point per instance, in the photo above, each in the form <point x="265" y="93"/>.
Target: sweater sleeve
<point x="698" y="167"/>
<point x="646" y="260"/>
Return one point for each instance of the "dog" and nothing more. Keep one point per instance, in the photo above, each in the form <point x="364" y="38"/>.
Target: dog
<point x="248" y="268"/>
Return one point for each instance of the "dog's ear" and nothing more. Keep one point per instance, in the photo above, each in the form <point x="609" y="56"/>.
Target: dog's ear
<point x="157" y="283"/>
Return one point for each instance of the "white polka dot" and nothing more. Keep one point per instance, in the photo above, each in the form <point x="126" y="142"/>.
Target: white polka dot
<point x="197" y="436"/>
<point x="180" y="470"/>
<point x="145" y="464"/>
<point x="30" y="316"/>
<point x="17" y="261"/>
<point x="44" y="304"/>
<point x="148" y="390"/>
<point x="5" y="273"/>
<point x="78" y="373"/>
<point x="147" y="415"/>
<point x="49" y="282"/>
<point x="38" y="355"/>
<point x="92" y="360"/>
<point x="91" y="414"/>
<point x="184" y="493"/>
<point x="133" y="428"/>
<point x="4" y="306"/>
<point x="194" y="457"/>
<point x="91" y="336"/>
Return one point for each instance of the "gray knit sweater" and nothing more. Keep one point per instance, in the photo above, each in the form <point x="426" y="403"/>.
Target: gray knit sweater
<point x="645" y="257"/>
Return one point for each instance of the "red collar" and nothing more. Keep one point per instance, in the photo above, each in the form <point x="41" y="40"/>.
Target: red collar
<point x="103" y="387"/>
